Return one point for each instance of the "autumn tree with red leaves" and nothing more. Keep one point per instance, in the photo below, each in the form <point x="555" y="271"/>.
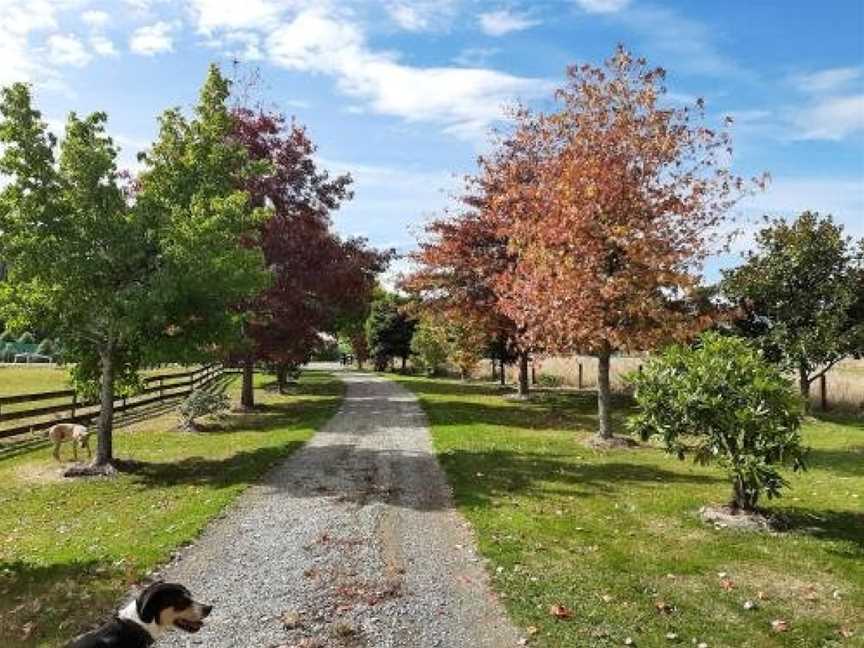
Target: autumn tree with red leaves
<point x="315" y="275"/>
<point x="613" y="219"/>
<point x="458" y="266"/>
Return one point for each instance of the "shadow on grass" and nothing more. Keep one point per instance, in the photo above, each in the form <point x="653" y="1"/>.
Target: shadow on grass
<point x="242" y="467"/>
<point x="559" y="412"/>
<point x="49" y="604"/>
<point x="849" y="461"/>
<point x="266" y="417"/>
<point x="506" y="473"/>
<point x="825" y="524"/>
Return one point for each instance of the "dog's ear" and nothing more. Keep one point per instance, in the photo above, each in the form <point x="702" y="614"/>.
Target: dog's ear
<point x="157" y="597"/>
<point x="147" y="602"/>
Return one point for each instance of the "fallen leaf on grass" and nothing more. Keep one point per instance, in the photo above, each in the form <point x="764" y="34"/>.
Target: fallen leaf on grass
<point x="532" y="630"/>
<point x="845" y="632"/>
<point x="671" y="636"/>
<point x="559" y="611"/>
<point x="663" y="607"/>
<point x="779" y="625"/>
<point x="727" y="584"/>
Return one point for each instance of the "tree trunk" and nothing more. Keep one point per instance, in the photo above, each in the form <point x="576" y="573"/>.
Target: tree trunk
<point x="503" y="376"/>
<point x="281" y="377"/>
<point x="804" y="386"/>
<point x="743" y="499"/>
<point x="247" y="394"/>
<point x="523" y="374"/>
<point x="404" y="360"/>
<point x="105" y="450"/>
<point x="604" y="396"/>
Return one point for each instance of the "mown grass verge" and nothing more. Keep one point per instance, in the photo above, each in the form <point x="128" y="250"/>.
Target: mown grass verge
<point x="70" y="548"/>
<point x="614" y="536"/>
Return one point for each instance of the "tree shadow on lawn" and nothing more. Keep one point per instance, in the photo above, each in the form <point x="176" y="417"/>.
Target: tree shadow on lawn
<point x="825" y="524"/>
<point x="572" y="414"/>
<point x="503" y="473"/>
<point x="244" y="467"/>
<point x="849" y="460"/>
<point x="50" y="604"/>
<point x="266" y="417"/>
<point x="317" y="387"/>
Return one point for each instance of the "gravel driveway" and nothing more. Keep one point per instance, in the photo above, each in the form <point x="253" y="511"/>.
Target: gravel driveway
<point x="351" y="542"/>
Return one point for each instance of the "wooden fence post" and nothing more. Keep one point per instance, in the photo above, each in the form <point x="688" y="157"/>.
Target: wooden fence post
<point x="74" y="403"/>
<point x="533" y="375"/>
<point x="823" y="391"/>
<point x="579" y="383"/>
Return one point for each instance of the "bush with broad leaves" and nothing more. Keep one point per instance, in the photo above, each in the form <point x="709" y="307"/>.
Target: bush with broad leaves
<point x="202" y="403"/>
<point x="719" y="401"/>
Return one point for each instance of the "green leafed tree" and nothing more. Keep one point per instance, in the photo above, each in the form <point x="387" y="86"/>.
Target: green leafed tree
<point x="429" y="345"/>
<point x="123" y="277"/>
<point x="801" y="294"/>
<point x="388" y="331"/>
<point x="720" y="401"/>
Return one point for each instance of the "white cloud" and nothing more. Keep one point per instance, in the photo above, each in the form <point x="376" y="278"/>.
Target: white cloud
<point x="476" y="56"/>
<point x="464" y="100"/>
<point x="408" y="17"/>
<point x="102" y="45"/>
<point x="829" y="80"/>
<point x="152" y="39"/>
<point x="501" y="22"/>
<point x="66" y="49"/>
<point x="19" y="61"/>
<point x="95" y="19"/>
<point x="23" y="17"/>
<point x="213" y="15"/>
<point x="834" y="118"/>
<point x="421" y="15"/>
<point x="602" y="6"/>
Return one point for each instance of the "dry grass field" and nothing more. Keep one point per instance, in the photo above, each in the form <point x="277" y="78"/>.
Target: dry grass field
<point x="844" y="383"/>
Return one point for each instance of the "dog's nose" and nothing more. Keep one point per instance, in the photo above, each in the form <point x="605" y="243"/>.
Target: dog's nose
<point x="206" y="610"/>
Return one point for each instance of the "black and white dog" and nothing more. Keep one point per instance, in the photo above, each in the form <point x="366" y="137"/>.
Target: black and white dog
<point x="159" y="608"/>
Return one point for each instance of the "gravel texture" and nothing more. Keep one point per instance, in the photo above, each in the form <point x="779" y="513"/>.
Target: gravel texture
<point x="352" y="542"/>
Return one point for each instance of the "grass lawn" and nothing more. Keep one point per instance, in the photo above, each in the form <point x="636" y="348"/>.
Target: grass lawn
<point x="70" y="548"/>
<point x="614" y="537"/>
<point x="40" y="378"/>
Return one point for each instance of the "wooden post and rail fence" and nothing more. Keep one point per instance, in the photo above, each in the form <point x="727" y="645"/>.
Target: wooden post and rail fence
<point x="580" y="382"/>
<point x="156" y="388"/>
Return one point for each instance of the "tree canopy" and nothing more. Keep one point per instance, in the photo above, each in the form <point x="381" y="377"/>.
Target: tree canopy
<point x="801" y="294"/>
<point x="125" y="277"/>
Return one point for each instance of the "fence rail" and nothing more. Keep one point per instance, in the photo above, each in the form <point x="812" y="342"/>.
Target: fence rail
<point x="169" y="386"/>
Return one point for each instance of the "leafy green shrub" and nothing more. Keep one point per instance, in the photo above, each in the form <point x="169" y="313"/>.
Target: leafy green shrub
<point x="548" y="380"/>
<point x="46" y="347"/>
<point x="429" y="345"/>
<point x="26" y="338"/>
<point x="202" y="403"/>
<point x="6" y="336"/>
<point x="720" y="401"/>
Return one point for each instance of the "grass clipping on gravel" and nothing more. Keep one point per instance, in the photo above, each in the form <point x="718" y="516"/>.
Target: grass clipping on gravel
<point x="595" y="548"/>
<point x="70" y="548"/>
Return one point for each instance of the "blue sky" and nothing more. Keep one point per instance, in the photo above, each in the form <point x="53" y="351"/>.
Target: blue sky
<point x="402" y="93"/>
